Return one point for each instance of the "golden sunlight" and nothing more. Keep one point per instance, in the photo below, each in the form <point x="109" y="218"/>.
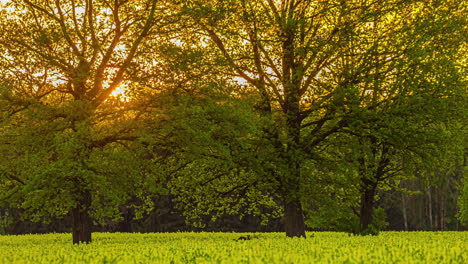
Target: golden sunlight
<point x="3" y="6"/>
<point x="121" y="93"/>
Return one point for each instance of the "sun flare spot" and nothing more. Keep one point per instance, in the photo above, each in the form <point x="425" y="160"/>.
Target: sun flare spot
<point x="121" y="92"/>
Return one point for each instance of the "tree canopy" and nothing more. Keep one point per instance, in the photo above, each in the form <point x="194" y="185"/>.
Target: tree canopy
<point x="259" y="107"/>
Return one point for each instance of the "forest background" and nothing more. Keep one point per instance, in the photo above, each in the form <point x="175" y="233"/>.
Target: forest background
<point x="262" y="115"/>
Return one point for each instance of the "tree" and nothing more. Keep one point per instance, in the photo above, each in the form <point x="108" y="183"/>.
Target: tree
<point x="410" y="130"/>
<point x="314" y="65"/>
<point x="463" y="201"/>
<point x="62" y="128"/>
<point x="403" y="98"/>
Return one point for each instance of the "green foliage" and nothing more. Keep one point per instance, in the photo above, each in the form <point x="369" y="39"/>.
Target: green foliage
<point x="55" y="152"/>
<point x="378" y="223"/>
<point x="339" y="216"/>
<point x="210" y="152"/>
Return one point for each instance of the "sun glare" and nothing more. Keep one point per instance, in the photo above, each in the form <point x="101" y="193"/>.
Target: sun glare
<point x="4" y="6"/>
<point x="121" y="93"/>
<point x="240" y="80"/>
<point x="80" y="10"/>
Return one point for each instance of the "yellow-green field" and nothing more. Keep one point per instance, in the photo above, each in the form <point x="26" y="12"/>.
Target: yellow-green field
<point x="323" y="247"/>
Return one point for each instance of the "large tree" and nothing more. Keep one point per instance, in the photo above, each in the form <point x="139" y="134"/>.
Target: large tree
<point x="62" y="61"/>
<point x="315" y="65"/>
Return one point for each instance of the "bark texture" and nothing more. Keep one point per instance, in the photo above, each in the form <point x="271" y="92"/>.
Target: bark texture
<point x="294" y="219"/>
<point x="82" y="222"/>
<point x="367" y="207"/>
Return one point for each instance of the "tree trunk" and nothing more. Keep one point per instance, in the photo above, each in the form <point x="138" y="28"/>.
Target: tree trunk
<point x="442" y="205"/>
<point x="420" y="221"/>
<point x="404" y="210"/>
<point x="367" y="207"/>
<point x="429" y="208"/>
<point x="82" y="222"/>
<point x="294" y="219"/>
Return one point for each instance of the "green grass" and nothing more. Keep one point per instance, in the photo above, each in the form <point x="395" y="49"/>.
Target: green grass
<point x="323" y="247"/>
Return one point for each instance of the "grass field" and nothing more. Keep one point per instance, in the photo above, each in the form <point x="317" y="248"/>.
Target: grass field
<point x="322" y="247"/>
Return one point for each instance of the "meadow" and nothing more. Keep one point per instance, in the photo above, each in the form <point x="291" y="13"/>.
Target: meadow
<point x="319" y="247"/>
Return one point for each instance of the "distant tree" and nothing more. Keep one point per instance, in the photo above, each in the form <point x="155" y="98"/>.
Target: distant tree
<point x="463" y="201"/>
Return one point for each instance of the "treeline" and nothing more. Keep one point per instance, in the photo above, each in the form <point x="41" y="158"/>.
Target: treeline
<point x="235" y="115"/>
<point x="404" y="212"/>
